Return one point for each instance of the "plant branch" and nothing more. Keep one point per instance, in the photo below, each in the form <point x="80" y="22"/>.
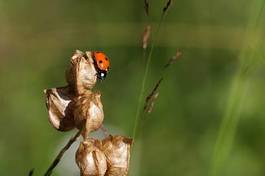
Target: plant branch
<point x="61" y="153"/>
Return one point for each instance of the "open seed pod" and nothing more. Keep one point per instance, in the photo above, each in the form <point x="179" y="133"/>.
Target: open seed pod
<point x="88" y="110"/>
<point x="90" y="159"/>
<point x="117" y="151"/>
<point x="60" y="108"/>
<point x="81" y="74"/>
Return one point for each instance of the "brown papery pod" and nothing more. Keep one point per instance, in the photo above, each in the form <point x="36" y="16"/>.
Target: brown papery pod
<point x="90" y="159"/>
<point x="88" y="110"/>
<point x="117" y="151"/>
<point x="60" y="108"/>
<point x="81" y="74"/>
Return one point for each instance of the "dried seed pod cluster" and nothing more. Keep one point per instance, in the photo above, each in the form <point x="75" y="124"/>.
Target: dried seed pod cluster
<point x="77" y="106"/>
<point x="109" y="157"/>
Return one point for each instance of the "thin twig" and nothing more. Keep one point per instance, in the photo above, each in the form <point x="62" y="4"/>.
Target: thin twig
<point x="61" y="153"/>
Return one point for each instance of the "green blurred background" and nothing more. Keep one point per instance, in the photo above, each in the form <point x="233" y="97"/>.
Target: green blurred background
<point x="218" y="39"/>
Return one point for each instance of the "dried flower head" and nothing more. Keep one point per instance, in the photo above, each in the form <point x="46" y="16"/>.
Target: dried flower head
<point x="89" y="110"/>
<point x="117" y="151"/>
<point x="60" y="108"/>
<point x="81" y="74"/>
<point x="90" y="159"/>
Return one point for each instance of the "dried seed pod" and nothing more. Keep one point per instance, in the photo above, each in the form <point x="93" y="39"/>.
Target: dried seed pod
<point x="88" y="110"/>
<point x="117" y="151"/>
<point x="81" y="74"/>
<point x="90" y="159"/>
<point x="60" y="108"/>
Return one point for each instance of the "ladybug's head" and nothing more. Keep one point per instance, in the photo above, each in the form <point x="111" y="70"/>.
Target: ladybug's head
<point x="101" y="63"/>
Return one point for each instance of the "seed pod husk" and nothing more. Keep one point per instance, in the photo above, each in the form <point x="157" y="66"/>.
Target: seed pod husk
<point x="88" y="110"/>
<point x="117" y="151"/>
<point x="90" y="159"/>
<point x="81" y="74"/>
<point x="60" y="108"/>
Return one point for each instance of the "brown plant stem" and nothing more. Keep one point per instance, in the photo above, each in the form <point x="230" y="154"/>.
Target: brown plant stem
<point x="61" y="153"/>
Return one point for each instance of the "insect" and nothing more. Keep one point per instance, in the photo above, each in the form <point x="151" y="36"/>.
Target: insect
<point x="102" y="64"/>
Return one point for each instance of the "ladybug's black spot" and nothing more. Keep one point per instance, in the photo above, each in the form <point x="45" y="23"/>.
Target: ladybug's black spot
<point x="106" y="59"/>
<point x="100" y="61"/>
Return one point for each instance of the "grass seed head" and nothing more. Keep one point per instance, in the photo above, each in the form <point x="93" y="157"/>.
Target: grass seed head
<point x="146" y="36"/>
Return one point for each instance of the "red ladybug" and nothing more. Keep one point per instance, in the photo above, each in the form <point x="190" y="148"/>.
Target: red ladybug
<point x="102" y="64"/>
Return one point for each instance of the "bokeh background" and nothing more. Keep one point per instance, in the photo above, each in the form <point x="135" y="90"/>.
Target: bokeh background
<point x="208" y="118"/>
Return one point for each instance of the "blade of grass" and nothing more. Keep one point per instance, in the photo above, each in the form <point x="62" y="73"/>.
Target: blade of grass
<point x="238" y="90"/>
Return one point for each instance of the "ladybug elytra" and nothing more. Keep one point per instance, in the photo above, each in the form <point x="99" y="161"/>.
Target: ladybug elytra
<point x="102" y="64"/>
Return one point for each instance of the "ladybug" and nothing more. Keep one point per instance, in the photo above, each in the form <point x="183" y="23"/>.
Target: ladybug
<point x="102" y="64"/>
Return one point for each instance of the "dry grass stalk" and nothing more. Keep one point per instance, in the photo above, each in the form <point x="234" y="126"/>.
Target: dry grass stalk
<point x="150" y="99"/>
